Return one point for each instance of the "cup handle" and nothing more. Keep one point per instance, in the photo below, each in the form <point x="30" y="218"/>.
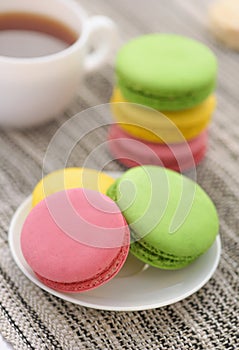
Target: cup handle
<point x="102" y="37"/>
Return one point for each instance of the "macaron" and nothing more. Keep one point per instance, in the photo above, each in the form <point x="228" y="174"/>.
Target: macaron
<point x="75" y="240"/>
<point x="224" y="22"/>
<point x="155" y="126"/>
<point x="172" y="219"/>
<point x="166" y="71"/>
<point x="132" y="152"/>
<point x="67" y="178"/>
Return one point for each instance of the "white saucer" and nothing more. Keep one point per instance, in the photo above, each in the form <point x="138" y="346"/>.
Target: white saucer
<point x="136" y="287"/>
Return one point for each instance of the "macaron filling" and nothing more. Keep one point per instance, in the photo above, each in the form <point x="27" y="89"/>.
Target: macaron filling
<point x="166" y="102"/>
<point x="157" y="257"/>
<point x="112" y="190"/>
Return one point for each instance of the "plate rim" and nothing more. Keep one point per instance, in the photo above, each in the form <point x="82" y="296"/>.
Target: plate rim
<point x="68" y="298"/>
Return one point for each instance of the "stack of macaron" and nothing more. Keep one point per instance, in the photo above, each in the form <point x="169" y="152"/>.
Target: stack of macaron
<point x="163" y="101"/>
<point x="76" y="238"/>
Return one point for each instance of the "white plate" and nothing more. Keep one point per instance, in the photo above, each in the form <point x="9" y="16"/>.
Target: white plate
<point x="136" y="287"/>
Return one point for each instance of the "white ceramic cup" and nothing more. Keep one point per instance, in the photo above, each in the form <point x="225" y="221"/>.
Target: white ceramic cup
<point x="33" y="90"/>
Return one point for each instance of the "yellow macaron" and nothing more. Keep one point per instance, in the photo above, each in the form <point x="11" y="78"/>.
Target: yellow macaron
<point x="158" y="126"/>
<point x="68" y="178"/>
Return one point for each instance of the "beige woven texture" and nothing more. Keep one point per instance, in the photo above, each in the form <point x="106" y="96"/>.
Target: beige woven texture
<point x="33" y="319"/>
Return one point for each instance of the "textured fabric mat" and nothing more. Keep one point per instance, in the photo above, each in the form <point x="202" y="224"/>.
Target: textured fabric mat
<point x="33" y="319"/>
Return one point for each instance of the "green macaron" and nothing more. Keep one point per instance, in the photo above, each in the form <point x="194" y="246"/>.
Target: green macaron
<point x="172" y="219"/>
<point x="166" y="71"/>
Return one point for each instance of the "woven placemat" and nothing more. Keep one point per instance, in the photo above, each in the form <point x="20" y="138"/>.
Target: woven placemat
<point x="33" y="319"/>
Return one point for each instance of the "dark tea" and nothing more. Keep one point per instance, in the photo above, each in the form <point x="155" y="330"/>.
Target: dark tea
<point x="24" y="34"/>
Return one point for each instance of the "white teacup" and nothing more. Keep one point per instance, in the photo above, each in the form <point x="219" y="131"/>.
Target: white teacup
<point x="35" y="89"/>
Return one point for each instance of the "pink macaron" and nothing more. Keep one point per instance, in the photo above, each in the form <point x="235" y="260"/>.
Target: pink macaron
<point x="133" y="152"/>
<point x="75" y="240"/>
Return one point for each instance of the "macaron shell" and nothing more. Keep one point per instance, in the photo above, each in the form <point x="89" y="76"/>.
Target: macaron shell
<point x="54" y="254"/>
<point x="223" y="22"/>
<point x="132" y="152"/>
<point x="154" y="126"/>
<point x="186" y="165"/>
<point x="166" y="71"/>
<point x="67" y="178"/>
<point x="166" y="211"/>
<point x="95" y="282"/>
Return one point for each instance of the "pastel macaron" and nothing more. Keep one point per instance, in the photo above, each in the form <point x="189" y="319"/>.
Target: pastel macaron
<point x="172" y="219"/>
<point x="67" y="178"/>
<point x="75" y="240"/>
<point x="132" y="152"/>
<point x="164" y="127"/>
<point x="166" y="71"/>
<point x="224" y="22"/>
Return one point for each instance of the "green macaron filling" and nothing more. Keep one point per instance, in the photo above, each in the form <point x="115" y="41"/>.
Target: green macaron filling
<point x="157" y="258"/>
<point x="165" y="102"/>
<point x="112" y="191"/>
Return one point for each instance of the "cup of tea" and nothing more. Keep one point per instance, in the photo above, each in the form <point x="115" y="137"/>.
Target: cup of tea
<point x="45" y="48"/>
